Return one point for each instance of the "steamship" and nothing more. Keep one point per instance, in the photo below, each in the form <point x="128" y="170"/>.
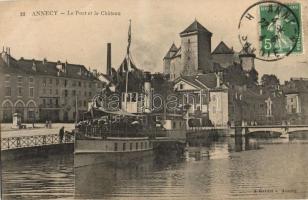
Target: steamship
<point x="114" y="136"/>
<point x="124" y="135"/>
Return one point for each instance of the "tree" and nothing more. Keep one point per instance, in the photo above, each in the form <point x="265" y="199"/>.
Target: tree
<point x="253" y="77"/>
<point x="270" y="81"/>
<point x="235" y="75"/>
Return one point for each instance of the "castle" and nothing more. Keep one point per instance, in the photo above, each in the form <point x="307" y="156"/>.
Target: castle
<point x="195" y="55"/>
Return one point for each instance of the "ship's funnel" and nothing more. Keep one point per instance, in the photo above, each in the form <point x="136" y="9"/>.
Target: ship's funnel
<point x="147" y="92"/>
<point x="108" y="72"/>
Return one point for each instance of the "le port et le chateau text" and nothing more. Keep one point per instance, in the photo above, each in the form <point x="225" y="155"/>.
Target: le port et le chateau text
<point x="40" y="13"/>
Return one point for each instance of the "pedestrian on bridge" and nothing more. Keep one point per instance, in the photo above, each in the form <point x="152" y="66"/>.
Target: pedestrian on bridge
<point x="61" y="134"/>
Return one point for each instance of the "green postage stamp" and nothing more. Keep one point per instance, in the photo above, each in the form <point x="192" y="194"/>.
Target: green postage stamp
<point x="280" y="29"/>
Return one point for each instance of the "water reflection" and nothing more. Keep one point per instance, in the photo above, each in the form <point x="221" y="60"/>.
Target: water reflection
<point x="221" y="168"/>
<point x="39" y="178"/>
<point x="103" y="180"/>
<point x="220" y="148"/>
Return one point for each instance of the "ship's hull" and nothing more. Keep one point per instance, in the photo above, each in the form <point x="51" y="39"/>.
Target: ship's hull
<point x="111" y="150"/>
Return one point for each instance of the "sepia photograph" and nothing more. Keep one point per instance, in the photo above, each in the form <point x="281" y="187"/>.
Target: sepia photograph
<point x="153" y="99"/>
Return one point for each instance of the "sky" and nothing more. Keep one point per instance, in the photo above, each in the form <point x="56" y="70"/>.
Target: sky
<point x="156" y="24"/>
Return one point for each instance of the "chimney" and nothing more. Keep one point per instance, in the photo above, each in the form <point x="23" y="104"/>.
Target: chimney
<point x="33" y="65"/>
<point x="8" y="56"/>
<point x="95" y="72"/>
<point x="217" y="79"/>
<point x="44" y="61"/>
<point x="65" y="67"/>
<point x="147" y="92"/>
<point x="108" y="70"/>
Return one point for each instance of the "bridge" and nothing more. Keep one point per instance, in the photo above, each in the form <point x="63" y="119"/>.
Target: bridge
<point x="284" y="130"/>
<point x="14" y="148"/>
<point x="22" y="142"/>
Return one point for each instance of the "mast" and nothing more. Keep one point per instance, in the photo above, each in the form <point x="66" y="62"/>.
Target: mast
<point x="128" y="64"/>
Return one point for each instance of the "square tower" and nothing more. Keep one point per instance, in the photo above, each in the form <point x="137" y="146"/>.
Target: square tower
<point x="196" y="49"/>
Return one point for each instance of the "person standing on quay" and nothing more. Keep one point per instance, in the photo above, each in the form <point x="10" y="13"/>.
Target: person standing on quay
<point x="61" y="134"/>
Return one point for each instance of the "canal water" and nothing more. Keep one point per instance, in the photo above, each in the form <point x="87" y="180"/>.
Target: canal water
<point x="224" y="168"/>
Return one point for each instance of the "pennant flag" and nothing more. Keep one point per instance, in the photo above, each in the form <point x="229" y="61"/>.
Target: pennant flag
<point x="129" y="37"/>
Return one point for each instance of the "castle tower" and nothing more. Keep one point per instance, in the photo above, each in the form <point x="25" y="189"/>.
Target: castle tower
<point x="196" y="49"/>
<point x="247" y="57"/>
<point x="168" y="57"/>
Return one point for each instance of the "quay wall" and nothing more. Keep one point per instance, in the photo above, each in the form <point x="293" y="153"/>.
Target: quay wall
<point x="204" y="132"/>
<point x="37" y="151"/>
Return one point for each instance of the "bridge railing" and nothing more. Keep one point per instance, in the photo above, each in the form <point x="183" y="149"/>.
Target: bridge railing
<point x="32" y="141"/>
<point x="272" y="126"/>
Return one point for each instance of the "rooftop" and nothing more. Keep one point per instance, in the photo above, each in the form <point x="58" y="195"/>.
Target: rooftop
<point x="43" y="67"/>
<point x="195" y="27"/>
<point x="222" y="48"/>
<point x="172" y="51"/>
<point x="207" y="81"/>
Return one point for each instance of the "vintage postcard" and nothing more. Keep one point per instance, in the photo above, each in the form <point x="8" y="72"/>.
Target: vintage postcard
<point x="154" y="99"/>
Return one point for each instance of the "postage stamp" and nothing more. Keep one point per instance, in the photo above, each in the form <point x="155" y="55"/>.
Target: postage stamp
<point x="280" y="29"/>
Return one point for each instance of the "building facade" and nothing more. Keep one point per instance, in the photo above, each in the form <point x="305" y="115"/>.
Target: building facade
<point x="255" y="106"/>
<point x="44" y="90"/>
<point x="296" y="97"/>
<point x="206" y="96"/>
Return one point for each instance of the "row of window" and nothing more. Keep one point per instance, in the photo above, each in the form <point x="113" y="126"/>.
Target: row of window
<point x="20" y="91"/>
<point x="51" y="102"/>
<point x="66" y="93"/>
<point x="141" y="145"/>
<point x="50" y="81"/>
<point x="19" y="79"/>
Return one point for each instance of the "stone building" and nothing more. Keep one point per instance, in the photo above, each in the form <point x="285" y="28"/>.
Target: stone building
<point x="255" y="106"/>
<point x="195" y="49"/>
<point x="206" y="96"/>
<point x="44" y="90"/>
<point x="296" y="97"/>
<point x="195" y="55"/>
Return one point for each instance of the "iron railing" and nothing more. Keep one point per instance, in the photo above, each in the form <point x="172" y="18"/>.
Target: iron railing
<point x="102" y="132"/>
<point x="33" y="141"/>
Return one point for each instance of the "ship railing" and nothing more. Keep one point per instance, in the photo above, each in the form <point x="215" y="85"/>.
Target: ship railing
<point x="34" y="141"/>
<point x="87" y="132"/>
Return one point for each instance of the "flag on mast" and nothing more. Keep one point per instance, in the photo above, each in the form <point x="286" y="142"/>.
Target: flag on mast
<point x="127" y="63"/>
<point x="129" y="37"/>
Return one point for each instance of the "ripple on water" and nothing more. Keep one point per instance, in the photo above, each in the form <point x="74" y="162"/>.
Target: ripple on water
<point x="220" y="170"/>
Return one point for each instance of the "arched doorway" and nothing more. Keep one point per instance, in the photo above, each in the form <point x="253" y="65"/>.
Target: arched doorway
<point x="7" y="112"/>
<point x="31" y="112"/>
<point x="20" y="108"/>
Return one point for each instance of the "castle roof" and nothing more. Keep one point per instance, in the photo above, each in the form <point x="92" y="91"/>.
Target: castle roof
<point x="172" y="51"/>
<point x="195" y="27"/>
<point x="178" y="53"/>
<point x="222" y="48"/>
